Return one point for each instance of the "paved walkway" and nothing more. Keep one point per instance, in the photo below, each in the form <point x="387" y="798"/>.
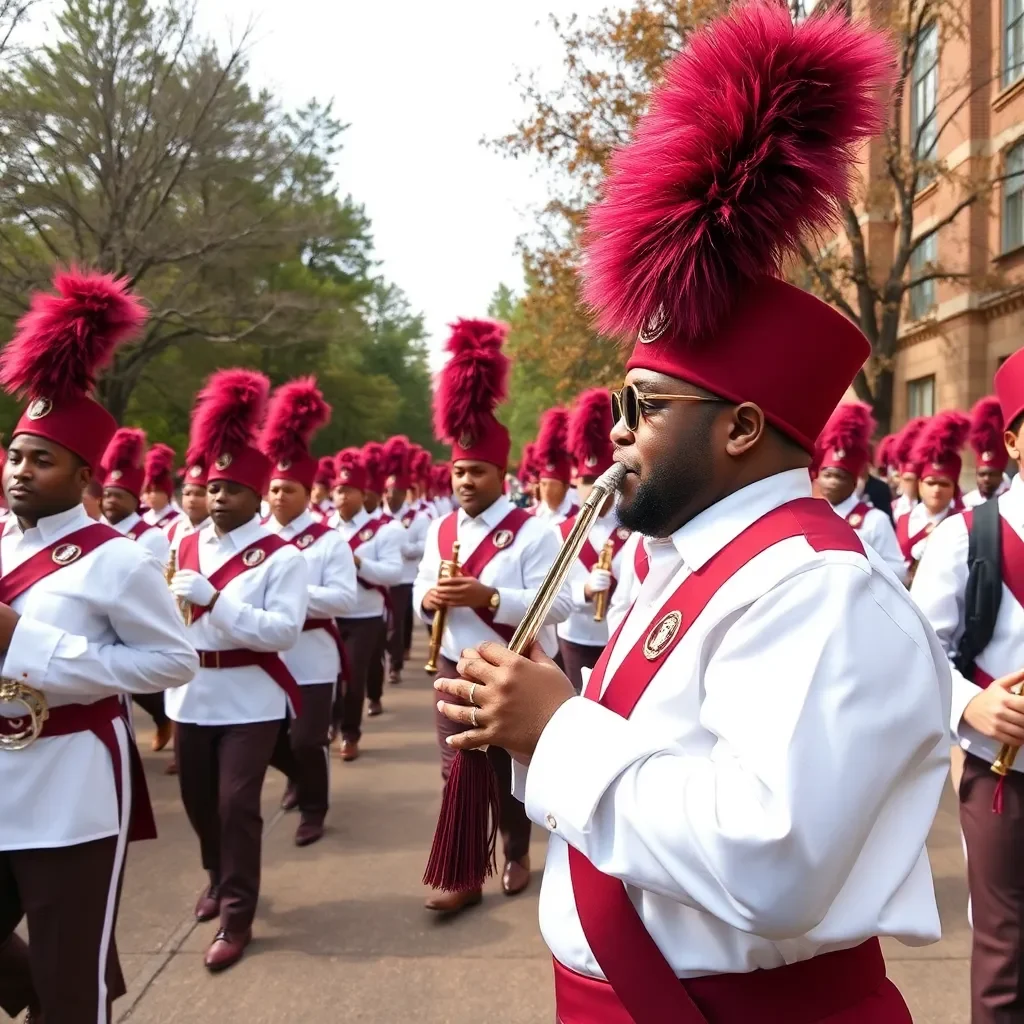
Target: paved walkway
<point x="341" y="933"/>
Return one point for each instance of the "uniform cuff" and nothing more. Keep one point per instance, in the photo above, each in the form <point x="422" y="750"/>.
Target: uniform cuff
<point x="33" y="644"/>
<point x="512" y="608"/>
<point x="579" y="596"/>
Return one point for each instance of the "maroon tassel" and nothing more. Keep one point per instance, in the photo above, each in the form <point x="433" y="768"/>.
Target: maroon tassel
<point x="997" y="796"/>
<point x="463" y="851"/>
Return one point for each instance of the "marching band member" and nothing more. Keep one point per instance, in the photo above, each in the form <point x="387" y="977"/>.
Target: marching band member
<point x="987" y="712"/>
<point x="158" y="487"/>
<point x="420" y="467"/>
<point x="321" y="508"/>
<point x="504" y="554"/>
<point x="845" y="450"/>
<point x="581" y="639"/>
<point x="92" y="499"/>
<point x="85" y="618"/>
<point x="376" y="547"/>
<point x="443" y="501"/>
<point x="554" y="468"/>
<point x="296" y="411"/>
<point x="123" y="474"/>
<point x="990" y="458"/>
<point x="196" y="514"/>
<point x="908" y="470"/>
<point x="376" y="475"/>
<point x="526" y="474"/>
<point x="721" y="848"/>
<point x="246" y="588"/>
<point x="936" y="455"/>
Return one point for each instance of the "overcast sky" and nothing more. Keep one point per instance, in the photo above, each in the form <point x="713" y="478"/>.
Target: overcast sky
<point x="420" y="82"/>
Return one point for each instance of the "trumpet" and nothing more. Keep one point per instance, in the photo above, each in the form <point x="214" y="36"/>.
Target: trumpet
<point x="448" y="569"/>
<point x="603" y="562"/>
<point x="184" y="607"/>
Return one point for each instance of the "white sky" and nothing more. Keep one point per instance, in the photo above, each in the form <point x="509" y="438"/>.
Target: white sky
<point x="420" y="82"/>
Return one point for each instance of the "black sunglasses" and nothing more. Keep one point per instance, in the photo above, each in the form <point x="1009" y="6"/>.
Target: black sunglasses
<point x="628" y="404"/>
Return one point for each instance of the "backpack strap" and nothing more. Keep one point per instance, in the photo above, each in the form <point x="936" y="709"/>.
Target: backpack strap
<point x="984" y="591"/>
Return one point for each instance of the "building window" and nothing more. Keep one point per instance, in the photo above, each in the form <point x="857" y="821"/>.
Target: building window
<point x="1013" y="40"/>
<point x="1013" y="198"/>
<point x="921" y="397"/>
<point x="922" y="296"/>
<point x="924" y="127"/>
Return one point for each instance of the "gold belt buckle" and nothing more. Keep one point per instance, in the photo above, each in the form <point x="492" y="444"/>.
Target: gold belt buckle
<point x="34" y="703"/>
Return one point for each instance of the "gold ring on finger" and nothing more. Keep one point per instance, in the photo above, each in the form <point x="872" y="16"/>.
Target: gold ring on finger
<point x="472" y="717"/>
<point x="472" y="688"/>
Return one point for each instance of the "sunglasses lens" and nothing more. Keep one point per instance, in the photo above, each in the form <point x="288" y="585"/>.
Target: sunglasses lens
<point x="630" y="407"/>
<point x="616" y="407"/>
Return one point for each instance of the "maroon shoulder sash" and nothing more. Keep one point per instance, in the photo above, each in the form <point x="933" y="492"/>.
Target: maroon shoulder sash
<point x="364" y="536"/>
<point x="172" y="530"/>
<point x="170" y="516"/>
<point x="588" y="553"/>
<point x="641" y="561"/>
<point x="139" y="529"/>
<point x="501" y="537"/>
<point x="255" y="554"/>
<point x="302" y="541"/>
<point x="409" y="517"/>
<point x="637" y="970"/>
<point x="858" y="514"/>
<point x="906" y="542"/>
<point x="309" y="535"/>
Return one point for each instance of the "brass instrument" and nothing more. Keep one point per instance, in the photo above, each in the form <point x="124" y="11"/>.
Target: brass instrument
<point x="184" y="607"/>
<point x="36" y="711"/>
<point x="1007" y="754"/>
<point x="448" y="569"/>
<point x="601" y="600"/>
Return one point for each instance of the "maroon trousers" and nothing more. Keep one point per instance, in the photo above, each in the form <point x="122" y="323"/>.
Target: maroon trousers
<point x="994" y="856"/>
<point x="153" y="705"/>
<point x="575" y="658"/>
<point x="364" y="643"/>
<point x="302" y="752"/>
<point x="515" y="826"/>
<point x="69" y="896"/>
<point x="400" y="628"/>
<point x="220" y="771"/>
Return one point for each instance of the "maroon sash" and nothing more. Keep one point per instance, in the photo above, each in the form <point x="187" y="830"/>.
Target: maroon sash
<point x="638" y="972"/>
<point x="906" y="542"/>
<point x="589" y="554"/>
<point x="364" y="536"/>
<point x="170" y="516"/>
<point x="99" y="717"/>
<point x="505" y="533"/>
<point x="409" y="517"/>
<point x="139" y="529"/>
<point x="641" y="561"/>
<point x="858" y="514"/>
<point x="242" y="561"/>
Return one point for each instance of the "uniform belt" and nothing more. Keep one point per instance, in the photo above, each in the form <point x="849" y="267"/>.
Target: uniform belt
<point x="70" y="718"/>
<point x="269" y="661"/>
<point x="801" y="993"/>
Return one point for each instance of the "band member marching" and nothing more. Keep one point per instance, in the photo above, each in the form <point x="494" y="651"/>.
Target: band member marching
<point x="123" y="474"/>
<point x="990" y="458"/>
<point x="196" y="514"/>
<point x="158" y="487"/>
<point x="504" y="554"/>
<point x="376" y="476"/>
<point x="844" y="450"/>
<point x="297" y="410"/>
<point x="936" y="455"/>
<point x="583" y="636"/>
<point x="906" y="468"/>
<point x="983" y="635"/>
<point x="246" y="592"/>
<point x="321" y="507"/>
<point x="554" y="468"/>
<point x="85" y="618"/>
<point x="721" y="850"/>
<point x="376" y="550"/>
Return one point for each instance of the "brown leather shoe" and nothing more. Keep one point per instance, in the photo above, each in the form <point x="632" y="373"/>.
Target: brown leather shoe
<point x="208" y="904"/>
<point x="309" y="832"/>
<point x="516" y="876"/>
<point x="349" y="750"/>
<point x="164" y="735"/>
<point x="290" y="800"/>
<point x="227" y="949"/>
<point x="453" y="902"/>
<point x="395" y="677"/>
<point x="375" y="709"/>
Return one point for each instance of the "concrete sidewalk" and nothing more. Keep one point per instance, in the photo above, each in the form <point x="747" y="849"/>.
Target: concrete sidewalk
<point x="341" y="931"/>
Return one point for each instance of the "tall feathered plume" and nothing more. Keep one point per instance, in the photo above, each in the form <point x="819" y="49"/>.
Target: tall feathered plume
<point x="297" y="411"/>
<point x="373" y="458"/>
<point x="590" y="426"/>
<point x="126" y="448"/>
<point x="229" y="411"/>
<point x="744" y="150"/>
<point x="396" y="456"/>
<point x="986" y="433"/>
<point x="885" y="452"/>
<point x="527" y="462"/>
<point x="159" y="461"/>
<point x="475" y="380"/>
<point x="420" y="465"/>
<point x="849" y="429"/>
<point x="945" y="435"/>
<point x="553" y="436"/>
<point x="64" y="340"/>
<point x="325" y="470"/>
<point x="906" y="440"/>
<point x="348" y="458"/>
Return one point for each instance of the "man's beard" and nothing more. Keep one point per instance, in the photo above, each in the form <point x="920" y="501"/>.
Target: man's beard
<point x="655" y="507"/>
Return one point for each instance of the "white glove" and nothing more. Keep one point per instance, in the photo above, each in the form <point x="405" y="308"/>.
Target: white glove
<point x="192" y="586"/>
<point x="600" y="580"/>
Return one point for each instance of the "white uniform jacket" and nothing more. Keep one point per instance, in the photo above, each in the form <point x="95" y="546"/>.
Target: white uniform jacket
<point x="878" y="531"/>
<point x="380" y="559"/>
<point x="154" y="541"/>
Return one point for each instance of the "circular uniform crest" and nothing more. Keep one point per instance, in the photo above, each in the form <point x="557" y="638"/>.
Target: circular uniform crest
<point x="116" y="475"/>
<point x="254" y="557"/>
<point x="344" y="475"/>
<point x="284" y="465"/>
<point x="304" y="541"/>
<point x="365" y="535"/>
<point x="503" y="538"/>
<point x="195" y="471"/>
<point x="855" y="520"/>
<point x="655" y="326"/>
<point x="223" y="460"/>
<point x="591" y="460"/>
<point x="661" y="635"/>
<point x="622" y="533"/>
<point x="39" y="408"/>
<point x="66" y="554"/>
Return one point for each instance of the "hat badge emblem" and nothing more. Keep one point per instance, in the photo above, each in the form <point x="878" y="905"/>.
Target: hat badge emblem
<point x="988" y="456"/>
<point x="591" y="460"/>
<point x="344" y="474"/>
<point x="116" y="475"/>
<point x="661" y="635"/>
<point x="655" y="326"/>
<point x="66" y="554"/>
<point x="550" y="467"/>
<point x="253" y="558"/>
<point x="503" y="538"/>
<point x="223" y="460"/>
<point x="284" y="465"/>
<point x="195" y="471"/>
<point x="365" y="535"/>
<point x="39" y="408"/>
<point x="937" y="466"/>
<point x="465" y="439"/>
<point x="840" y="453"/>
